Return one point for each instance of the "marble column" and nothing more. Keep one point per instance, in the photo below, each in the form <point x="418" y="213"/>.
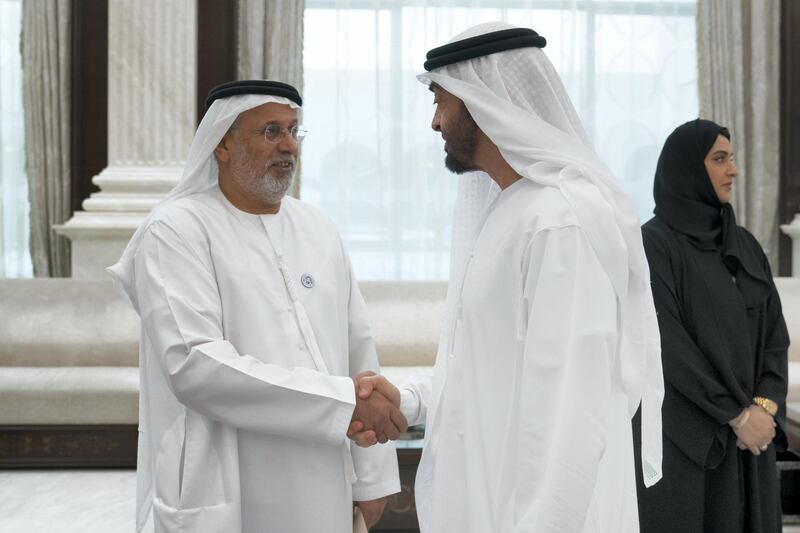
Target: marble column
<point x="793" y="231"/>
<point x="152" y="86"/>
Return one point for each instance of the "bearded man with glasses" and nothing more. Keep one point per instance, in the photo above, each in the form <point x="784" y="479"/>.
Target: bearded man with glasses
<point x="252" y="326"/>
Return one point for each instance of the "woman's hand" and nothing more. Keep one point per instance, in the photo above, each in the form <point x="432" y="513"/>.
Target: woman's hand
<point x="757" y="432"/>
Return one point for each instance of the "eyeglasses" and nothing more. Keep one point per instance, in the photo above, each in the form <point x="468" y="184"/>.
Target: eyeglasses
<point x="274" y="133"/>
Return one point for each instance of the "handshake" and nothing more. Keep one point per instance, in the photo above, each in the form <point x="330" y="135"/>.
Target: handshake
<point x="377" y="417"/>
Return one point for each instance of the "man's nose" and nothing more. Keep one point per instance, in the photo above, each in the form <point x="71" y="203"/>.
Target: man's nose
<point x="436" y="122"/>
<point x="288" y="145"/>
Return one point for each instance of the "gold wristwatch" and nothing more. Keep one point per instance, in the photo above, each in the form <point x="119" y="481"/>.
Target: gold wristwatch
<point x="767" y="404"/>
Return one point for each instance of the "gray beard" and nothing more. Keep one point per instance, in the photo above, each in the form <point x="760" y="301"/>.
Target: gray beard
<point x="259" y="183"/>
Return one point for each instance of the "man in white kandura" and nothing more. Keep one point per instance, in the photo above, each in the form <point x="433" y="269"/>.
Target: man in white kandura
<point x="252" y="325"/>
<point x="550" y="342"/>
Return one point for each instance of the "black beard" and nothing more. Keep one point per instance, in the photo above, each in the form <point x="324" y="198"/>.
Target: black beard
<point x="457" y="166"/>
<point x="462" y="142"/>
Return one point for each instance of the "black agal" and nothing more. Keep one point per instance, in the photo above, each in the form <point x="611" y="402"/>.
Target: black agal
<point x="274" y="88"/>
<point x="481" y="45"/>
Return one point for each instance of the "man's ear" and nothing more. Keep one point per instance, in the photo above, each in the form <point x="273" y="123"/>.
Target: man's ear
<point x="222" y="151"/>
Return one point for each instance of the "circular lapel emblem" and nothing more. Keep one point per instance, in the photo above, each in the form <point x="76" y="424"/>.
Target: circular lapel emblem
<point x="307" y="280"/>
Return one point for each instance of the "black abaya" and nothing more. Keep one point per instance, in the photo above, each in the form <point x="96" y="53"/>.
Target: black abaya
<point x="723" y="341"/>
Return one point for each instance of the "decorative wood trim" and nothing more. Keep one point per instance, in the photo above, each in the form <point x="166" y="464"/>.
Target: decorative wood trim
<point x="89" y="98"/>
<point x="790" y="127"/>
<point x="216" y="47"/>
<point x="68" y="446"/>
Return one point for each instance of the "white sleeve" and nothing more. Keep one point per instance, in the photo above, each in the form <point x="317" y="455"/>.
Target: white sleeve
<point x="569" y="327"/>
<point x="182" y="319"/>
<point x="376" y="467"/>
<point x="414" y="396"/>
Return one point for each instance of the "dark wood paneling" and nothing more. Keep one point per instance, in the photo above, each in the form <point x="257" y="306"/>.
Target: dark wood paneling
<point x="89" y="84"/>
<point x="401" y="512"/>
<point x="790" y="126"/>
<point x="216" y="47"/>
<point x="68" y="446"/>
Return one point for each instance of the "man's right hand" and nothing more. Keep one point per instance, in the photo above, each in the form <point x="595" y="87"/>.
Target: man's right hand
<point x="376" y="418"/>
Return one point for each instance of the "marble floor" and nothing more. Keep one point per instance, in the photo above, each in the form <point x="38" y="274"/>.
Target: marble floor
<point x="67" y="501"/>
<point x="76" y="501"/>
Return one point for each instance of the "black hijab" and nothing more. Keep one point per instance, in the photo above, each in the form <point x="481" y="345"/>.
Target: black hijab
<point x="687" y="203"/>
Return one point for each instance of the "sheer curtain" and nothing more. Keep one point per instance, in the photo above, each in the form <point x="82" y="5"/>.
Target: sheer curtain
<point x="15" y="260"/>
<point x="740" y="89"/>
<point x="46" y="30"/>
<point x="371" y="160"/>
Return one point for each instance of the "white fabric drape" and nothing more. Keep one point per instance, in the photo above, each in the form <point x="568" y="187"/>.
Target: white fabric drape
<point x="371" y="160"/>
<point x="15" y="260"/>
<point x="46" y="30"/>
<point x="738" y="48"/>
<point x="270" y="46"/>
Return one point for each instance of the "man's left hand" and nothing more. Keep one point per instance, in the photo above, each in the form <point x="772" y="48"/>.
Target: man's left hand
<point x="372" y="510"/>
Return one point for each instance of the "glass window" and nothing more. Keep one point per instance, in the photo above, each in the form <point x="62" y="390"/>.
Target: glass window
<point x="15" y="258"/>
<point x="372" y="162"/>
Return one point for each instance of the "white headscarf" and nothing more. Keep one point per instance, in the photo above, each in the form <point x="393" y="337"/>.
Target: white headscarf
<point x="517" y="99"/>
<point x="201" y="172"/>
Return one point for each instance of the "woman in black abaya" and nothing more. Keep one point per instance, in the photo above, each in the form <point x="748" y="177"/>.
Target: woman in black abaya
<point x="724" y="348"/>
